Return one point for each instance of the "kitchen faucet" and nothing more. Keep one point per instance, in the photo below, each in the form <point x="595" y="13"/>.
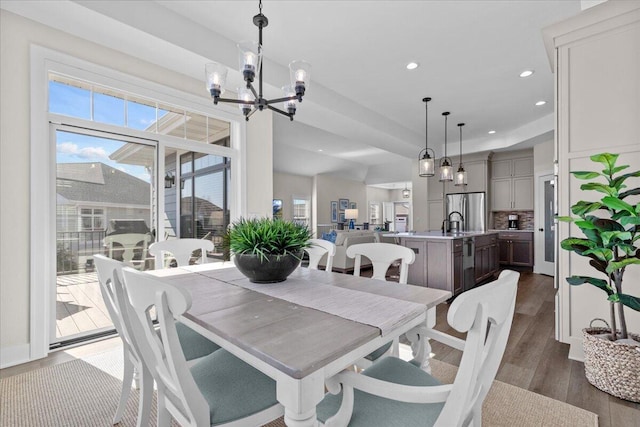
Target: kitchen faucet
<point x="449" y="222"/>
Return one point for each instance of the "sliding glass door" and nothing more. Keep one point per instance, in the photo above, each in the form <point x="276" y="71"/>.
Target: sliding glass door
<point x="104" y="205"/>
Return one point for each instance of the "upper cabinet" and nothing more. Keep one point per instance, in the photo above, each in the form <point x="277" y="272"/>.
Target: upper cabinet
<point x="512" y="183"/>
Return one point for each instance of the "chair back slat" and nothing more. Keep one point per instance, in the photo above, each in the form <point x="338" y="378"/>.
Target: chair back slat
<point x="163" y="355"/>
<point x="128" y="244"/>
<point x="382" y="255"/>
<point x="485" y="313"/>
<point x="181" y="249"/>
<point x="318" y="249"/>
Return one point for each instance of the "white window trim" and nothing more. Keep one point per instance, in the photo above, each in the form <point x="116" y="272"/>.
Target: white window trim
<point x="42" y="170"/>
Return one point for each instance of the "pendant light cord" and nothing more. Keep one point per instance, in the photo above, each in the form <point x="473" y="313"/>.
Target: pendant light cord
<point x="426" y="124"/>
<point x="260" y="6"/>
<point x="460" y="126"/>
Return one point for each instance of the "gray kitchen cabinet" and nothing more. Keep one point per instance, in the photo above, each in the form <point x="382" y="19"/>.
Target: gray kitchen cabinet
<point x="438" y="263"/>
<point x="486" y="257"/>
<point x="516" y="248"/>
<point x="512" y="193"/>
<point x="477" y="175"/>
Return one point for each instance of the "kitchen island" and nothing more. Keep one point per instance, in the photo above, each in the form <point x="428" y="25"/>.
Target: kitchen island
<point x="454" y="262"/>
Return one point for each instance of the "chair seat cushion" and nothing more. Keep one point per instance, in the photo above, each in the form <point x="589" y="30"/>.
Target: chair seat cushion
<point x="193" y="344"/>
<point x="371" y="411"/>
<point x="232" y="388"/>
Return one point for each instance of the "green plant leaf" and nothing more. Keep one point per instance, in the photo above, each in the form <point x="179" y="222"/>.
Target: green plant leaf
<point x="582" y="208"/>
<point x="598" y="283"/>
<point x="617" y="181"/>
<point x="603" y="254"/>
<point x="616" y="265"/>
<point x="576" y="244"/>
<point x="632" y="192"/>
<point x="565" y="218"/>
<point x="630" y="301"/>
<point x="586" y="225"/>
<point x="601" y="266"/>
<point x="602" y="188"/>
<point x="615" y="237"/>
<point x="604" y="224"/>
<point x="630" y="220"/>
<point x="586" y="174"/>
<point x="617" y="204"/>
<point x="619" y="168"/>
<point x="607" y="159"/>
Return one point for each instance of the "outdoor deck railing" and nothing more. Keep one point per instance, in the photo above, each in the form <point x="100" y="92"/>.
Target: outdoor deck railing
<point x="74" y="250"/>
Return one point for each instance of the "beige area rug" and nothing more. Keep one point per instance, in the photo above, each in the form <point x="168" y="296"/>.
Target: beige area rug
<point x="79" y="394"/>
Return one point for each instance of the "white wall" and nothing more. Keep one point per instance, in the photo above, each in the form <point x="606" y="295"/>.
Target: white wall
<point x="259" y="172"/>
<point x="330" y="188"/>
<point x="287" y="186"/>
<point x="597" y="59"/>
<point x="543" y="157"/>
<point x="16" y="35"/>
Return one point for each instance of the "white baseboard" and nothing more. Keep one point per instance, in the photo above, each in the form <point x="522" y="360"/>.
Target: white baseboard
<point x="15" y="355"/>
<point x="576" y="351"/>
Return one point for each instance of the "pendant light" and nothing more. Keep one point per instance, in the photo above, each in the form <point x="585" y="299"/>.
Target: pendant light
<point x="461" y="174"/>
<point x="406" y="193"/>
<point x="426" y="160"/>
<point x="446" y="170"/>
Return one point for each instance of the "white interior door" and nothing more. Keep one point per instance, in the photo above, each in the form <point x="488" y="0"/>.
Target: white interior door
<point x="544" y="226"/>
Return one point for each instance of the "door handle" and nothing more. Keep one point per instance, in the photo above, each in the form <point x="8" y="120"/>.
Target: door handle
<point x="540" y="229"/>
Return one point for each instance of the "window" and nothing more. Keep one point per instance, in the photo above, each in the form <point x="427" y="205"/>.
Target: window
<point x="77" y="98"/>
<point x="91" y="219"/>
<point x="301" y="209"/>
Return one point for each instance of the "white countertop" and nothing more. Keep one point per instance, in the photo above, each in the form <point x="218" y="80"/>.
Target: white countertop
<point x="511" y="231"/>
<point x="439" y="234"/>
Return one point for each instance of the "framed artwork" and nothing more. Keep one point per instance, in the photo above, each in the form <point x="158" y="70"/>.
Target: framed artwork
<point x="334" y="211"/>
<point x="343" y="204"/>
<point x="342" y="218"/>
<point x="277" y="208"/>
<point x="353" y="205"/>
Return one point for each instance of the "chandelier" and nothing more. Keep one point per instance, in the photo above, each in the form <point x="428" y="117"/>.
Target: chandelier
<point x="426" y="157"/>
<point x="446" y="169"/>
<point x="250" y="60"/>
<point x="461" y="176"/>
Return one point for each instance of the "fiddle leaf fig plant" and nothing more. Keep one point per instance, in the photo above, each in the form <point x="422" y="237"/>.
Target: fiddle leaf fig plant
<point x="611" y="227"/>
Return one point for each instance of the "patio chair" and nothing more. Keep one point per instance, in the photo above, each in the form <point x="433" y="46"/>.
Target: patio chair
<point x="130" y="248"/>
<point x="382" y="256"/>
<point x="181" y="249"/>
<point x="395" y="392"/>
<point x="195" y="344"/>
<point x="219" y="390"/>
<point x="318" y="249"/>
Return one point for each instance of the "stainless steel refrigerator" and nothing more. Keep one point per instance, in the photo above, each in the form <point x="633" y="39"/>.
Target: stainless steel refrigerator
<point x="473" y="208"/>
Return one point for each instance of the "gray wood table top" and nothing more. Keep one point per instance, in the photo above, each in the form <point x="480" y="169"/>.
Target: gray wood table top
<point x="294" y="339"/>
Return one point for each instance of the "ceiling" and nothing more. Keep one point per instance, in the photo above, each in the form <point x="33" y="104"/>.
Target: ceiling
<point x="363" y="117"/>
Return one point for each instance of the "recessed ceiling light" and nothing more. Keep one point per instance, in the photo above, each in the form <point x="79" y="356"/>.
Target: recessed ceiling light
<point x="491" y="132"/>
<point x="412" y="65"/>
<point x="319" y="149"/>
<point x="526" y="73"/>
<point x="539" y="103"/>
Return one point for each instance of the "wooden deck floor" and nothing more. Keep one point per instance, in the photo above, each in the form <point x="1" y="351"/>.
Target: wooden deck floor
<point x="79" y="305"/>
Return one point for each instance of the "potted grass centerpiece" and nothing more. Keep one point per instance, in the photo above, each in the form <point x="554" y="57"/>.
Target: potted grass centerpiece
<point x="611" y="227"/>
<point x="267" y="250"/>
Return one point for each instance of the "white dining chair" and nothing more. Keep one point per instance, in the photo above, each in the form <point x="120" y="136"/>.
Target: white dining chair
<point x="382" y="255"/>
<point x="219" y="390"/>
<point x="318" y="249"/>
<point x="395" y="392"/>
<point x="181" y="250"/>
<point x="195" y="345"/>
<point x="127" y="245"/>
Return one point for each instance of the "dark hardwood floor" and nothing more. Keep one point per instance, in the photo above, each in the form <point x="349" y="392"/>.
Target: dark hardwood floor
<point x="533" y="360"/>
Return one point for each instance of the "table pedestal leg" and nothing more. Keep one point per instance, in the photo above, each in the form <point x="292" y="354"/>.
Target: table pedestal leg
<point x="420" y="346"/>
<point x="299" y="398"/>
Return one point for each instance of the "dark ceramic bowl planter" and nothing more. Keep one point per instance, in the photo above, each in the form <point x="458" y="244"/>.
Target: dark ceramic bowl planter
<point x="275" y="269"/>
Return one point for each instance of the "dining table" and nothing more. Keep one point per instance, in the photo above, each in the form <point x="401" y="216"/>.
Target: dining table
<point x="306" y="329"/>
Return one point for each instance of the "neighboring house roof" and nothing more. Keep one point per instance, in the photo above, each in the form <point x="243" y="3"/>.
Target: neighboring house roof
<point x="98" y="182"/>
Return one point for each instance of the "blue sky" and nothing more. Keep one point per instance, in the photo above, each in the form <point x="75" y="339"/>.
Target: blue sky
<point x="76" y="102"/>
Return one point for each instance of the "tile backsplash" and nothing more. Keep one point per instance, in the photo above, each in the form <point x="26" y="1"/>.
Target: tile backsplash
<point x="501" y="220"/>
